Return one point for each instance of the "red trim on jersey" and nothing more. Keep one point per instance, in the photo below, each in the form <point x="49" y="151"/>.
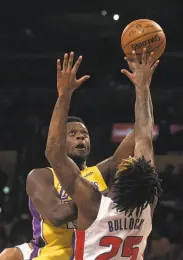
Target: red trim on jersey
<point x="79" y="244"/>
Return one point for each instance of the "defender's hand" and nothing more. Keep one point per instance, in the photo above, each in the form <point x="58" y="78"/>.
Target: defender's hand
<point x="142" y="72"/>
<point x="66" y="77"/>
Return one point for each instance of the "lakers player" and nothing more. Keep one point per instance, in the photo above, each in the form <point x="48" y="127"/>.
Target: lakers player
<point x="117" y="226"/>
<point x="21" y="252"/>
<point x="52" y="216"/>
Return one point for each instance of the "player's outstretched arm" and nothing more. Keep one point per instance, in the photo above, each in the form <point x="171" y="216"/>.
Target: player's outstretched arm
<point x="43" y="195"/>
<point x="132" y="67"/>
<point x="127" y="146"/>
<point x="143" y="109"/>
<point x="82" y="192"/>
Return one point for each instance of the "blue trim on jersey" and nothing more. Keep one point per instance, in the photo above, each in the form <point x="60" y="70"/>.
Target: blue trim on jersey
<point x="73" y="246"/>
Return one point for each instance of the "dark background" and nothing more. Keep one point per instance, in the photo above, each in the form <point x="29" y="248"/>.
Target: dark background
<point x="32" y="36"/>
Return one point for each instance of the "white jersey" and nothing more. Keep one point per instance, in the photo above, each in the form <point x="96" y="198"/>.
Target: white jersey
<point x="113" y="235"/>
<point x="25" y="250"/>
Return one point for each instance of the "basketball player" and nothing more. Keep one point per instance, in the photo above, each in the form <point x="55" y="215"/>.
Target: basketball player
<point x="52" y="217"/>
<point x="22" y="252"/>
<point x="117" y="226"/>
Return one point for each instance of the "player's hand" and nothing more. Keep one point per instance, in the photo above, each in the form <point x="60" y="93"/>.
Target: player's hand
<point x="66" y="76"/>
<point x="141" y="71"/>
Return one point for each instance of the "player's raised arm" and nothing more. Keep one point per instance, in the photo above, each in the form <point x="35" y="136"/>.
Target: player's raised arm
<point x="143" y="109"/>
<point x="144" y="154"/>
<point x="133" y="78"/>
<point x="127" y="146"/>
<point x="68" y="173"/>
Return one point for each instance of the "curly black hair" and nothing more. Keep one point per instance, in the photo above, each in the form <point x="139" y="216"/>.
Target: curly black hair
<point x="135" y="185"/>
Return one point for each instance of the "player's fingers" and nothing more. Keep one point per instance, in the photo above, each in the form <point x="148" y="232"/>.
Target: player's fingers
<point x="129" y="75"/>
<point x="155" y="65"/>
<point x="65" y="62"/>
<point x="131" y="64"/>
<point x="77" y="64"/>
<point x="144" y="56"/>
<point x="82" y="80"/>
<point x="126" y="73"/>
<point x="150" y="61"/>
<point x="58" y="66"/>
<point x="127" y="60"/>
<point x="135" y="59"/>
<point x="70" y="62"/>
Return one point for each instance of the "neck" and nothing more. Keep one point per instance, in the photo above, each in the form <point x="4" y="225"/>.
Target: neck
<point x="80" y="163"/>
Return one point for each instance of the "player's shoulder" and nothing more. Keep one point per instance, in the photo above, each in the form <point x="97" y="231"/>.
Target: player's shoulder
<point x="39" y="175"/>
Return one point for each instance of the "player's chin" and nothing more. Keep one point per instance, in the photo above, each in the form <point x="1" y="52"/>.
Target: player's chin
<point x="80" y="152"/>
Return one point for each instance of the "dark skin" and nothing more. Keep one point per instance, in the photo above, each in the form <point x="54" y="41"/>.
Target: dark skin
<point x="40" y="186"/>
<point x="83" y="192"/>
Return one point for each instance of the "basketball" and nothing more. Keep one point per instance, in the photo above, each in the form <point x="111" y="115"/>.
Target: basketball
<point x="143" y="33"/>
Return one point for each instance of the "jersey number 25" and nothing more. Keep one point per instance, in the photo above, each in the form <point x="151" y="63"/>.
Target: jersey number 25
<point x="128" y="249"/>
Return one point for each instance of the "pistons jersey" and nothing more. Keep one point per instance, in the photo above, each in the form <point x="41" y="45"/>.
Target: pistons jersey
<point x="113" y="235"/>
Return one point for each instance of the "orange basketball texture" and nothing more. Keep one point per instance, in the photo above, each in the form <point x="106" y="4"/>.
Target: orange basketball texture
<point x="143" y="33"/>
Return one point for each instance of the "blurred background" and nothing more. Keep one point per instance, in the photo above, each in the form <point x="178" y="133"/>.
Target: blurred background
<point x="32" y="36"/>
